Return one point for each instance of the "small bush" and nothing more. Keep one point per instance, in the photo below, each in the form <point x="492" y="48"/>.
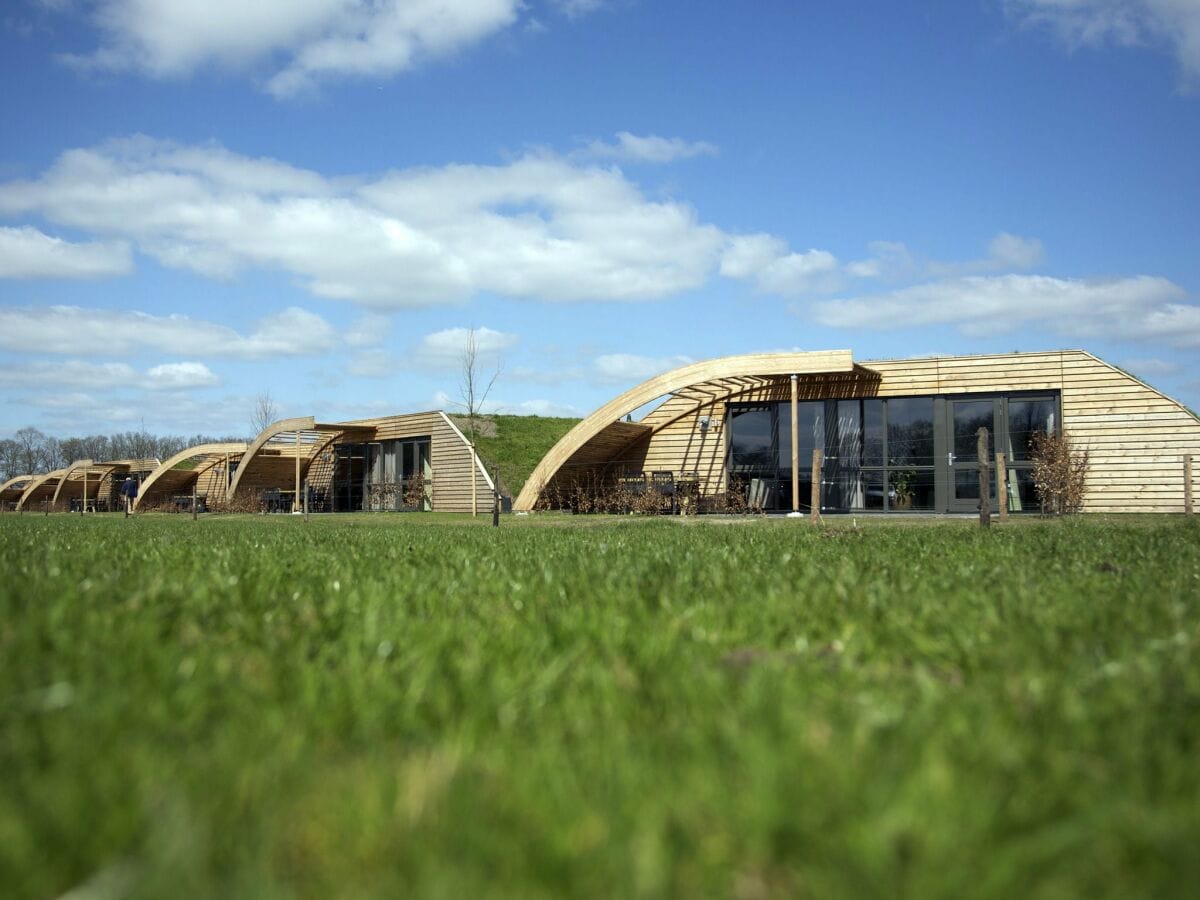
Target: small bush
<point x="1059" y="473"/>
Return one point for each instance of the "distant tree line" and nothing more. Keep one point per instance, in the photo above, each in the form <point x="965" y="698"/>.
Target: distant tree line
<point x="29" y="451"/>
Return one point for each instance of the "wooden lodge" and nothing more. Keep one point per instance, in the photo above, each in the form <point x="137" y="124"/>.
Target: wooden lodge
<point x="419" y="461"/>
<point x="83" y="485"/>
<point x="893" y="435"/>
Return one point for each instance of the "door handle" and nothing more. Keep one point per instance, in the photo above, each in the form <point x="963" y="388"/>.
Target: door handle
<point x="950" y="458"/>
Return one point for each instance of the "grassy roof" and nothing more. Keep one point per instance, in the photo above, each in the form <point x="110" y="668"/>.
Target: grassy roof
<point x="515" y="443"/>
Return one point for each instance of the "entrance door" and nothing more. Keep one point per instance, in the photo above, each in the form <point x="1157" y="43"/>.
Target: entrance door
<point x="964" y="419"/>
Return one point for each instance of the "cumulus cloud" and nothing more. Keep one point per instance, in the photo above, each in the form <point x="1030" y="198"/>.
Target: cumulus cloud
<point x="444" y="349"/>
<point x="299" y="42"/>
<point x="75" y="373"/>
<point x="1174" y="24"/>
<point x="777" y="270"/>
<point x="180" y="376"/>
<point x="627" y="367"/>
<point x="542" y="226"/>
<point x="893" y="261"/>
<point x="29" y="253"/>
<point x="1137" y="308"/>
<point x="649" y="149"/>
<point x="60" y="329"/>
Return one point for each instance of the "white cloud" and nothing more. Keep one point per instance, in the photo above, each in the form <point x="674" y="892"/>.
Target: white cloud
<point x="180" y="376"/>
<point x="1138" y="308"/>
<point x="444" y="349"/>
<point x="1151" y="367"/>
<point x="545" y="408"/>
<point x="60" y="329"/>
<point x="778" y="270"/>
<point x="629" y="368"/>
<point x="1094" y="23"/>
<point x="540" y="227"/>
<point x="368" y="330"/>
<point x="312" y="39"/>
<point x="893" y="261"/>
<point x="75" y="373"/>
<point x="649" y="149"/>
<point x="1011" y="251"/>
<point x="29" y="253"/>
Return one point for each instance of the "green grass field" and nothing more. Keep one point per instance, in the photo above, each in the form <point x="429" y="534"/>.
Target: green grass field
<point x="424" y="706"/>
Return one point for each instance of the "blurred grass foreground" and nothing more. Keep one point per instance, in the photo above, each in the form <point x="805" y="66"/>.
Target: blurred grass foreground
<point x="421" y="706"/>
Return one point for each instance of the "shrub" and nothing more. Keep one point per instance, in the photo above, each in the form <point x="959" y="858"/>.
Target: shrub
<point x="1059" y="473"/>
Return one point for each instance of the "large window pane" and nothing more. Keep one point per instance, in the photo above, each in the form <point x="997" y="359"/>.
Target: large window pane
<point x="751" y="439"/>
<point x="810" y="421"/>
<point x="1027" y="417"/>
<point x="872" y="451"/>
<point x="910" y="431"/>
<point x="969" y="417"/>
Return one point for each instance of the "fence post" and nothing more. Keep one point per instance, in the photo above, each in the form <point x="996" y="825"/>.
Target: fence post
<point x="985" y="480"/>
<point x="1187" y="485"/>
<point x="305" y="499"/>
<point x="1002" y="487"/>
<point x="194" y="513"/>
<point x="474" y="481"/>
<point x="816" y="486"/>
<point x="496" y="497"/>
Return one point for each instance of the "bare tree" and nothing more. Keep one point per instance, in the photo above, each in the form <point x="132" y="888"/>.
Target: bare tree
<point x="474" y="383"/>
<point x="265" y="412"/>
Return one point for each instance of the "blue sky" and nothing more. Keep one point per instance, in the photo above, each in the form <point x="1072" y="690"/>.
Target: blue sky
<point x="204" y="200"/>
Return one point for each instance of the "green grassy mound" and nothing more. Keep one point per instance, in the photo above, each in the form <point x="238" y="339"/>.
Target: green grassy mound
<point x="517" y="444"/>
<point x="423" y="706"/>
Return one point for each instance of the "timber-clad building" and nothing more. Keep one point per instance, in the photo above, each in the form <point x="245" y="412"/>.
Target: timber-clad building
<point x="417" y="461"/>
<point x="895" y="435"/>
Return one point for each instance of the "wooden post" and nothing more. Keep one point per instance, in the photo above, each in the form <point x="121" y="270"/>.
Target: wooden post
<point x="1187" y="485"/>
<point x="296" y="500"/>
<point x="985" y="481"/>
<point x="305" y="499"/>
<point x="1002" y="486"/>
<point x="496" y="497"/>
<point x="816" y="486"/>
<point x="795" y="446"/>
<point x="194" y="483"/>
<point x="83" y="503"/>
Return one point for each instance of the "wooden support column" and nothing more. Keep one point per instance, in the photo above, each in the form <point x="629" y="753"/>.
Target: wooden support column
<point x="985" y="481"/>
<point x="1187" y="485"/>
<point x="83" y="502"/>
<point x="194" y="484"/>
<point x="1002" y="486"/>
<point x="296" y="500"/>
<point x="816" y="486"/>
<point x="795" y="446"/>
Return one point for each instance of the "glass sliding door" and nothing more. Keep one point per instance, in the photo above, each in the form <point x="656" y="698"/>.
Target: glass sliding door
<point x="1026" y="417"/>
<point x="965" y="418"/>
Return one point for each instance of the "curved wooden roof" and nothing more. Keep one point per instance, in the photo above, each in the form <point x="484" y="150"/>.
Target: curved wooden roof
<point x="17" y="485"/>
<point x="37" y="483"/>
<point x="217" y="451"/>
<point x="302" y="423"/>
<point x="736" y="373"/>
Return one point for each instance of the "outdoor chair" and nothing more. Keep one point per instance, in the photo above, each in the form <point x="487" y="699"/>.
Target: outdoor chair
<point x="663" y="484"/>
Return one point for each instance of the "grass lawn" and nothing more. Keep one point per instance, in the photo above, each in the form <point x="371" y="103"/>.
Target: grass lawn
<point x="423" y="706"/>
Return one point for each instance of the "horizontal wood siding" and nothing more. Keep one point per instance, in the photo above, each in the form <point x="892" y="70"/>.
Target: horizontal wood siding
<point x="449" y="457"/>
<point x="1136" y="437"/>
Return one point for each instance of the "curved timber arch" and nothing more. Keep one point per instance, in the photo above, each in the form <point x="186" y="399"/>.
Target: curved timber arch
<point x="15" y="482"/>
<point x="215" y="450"/>
<point x="676" y="380"/>
<point x="37" y="482"/>
<point x="84" y="464"/>
<point x="303" y="423"/>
